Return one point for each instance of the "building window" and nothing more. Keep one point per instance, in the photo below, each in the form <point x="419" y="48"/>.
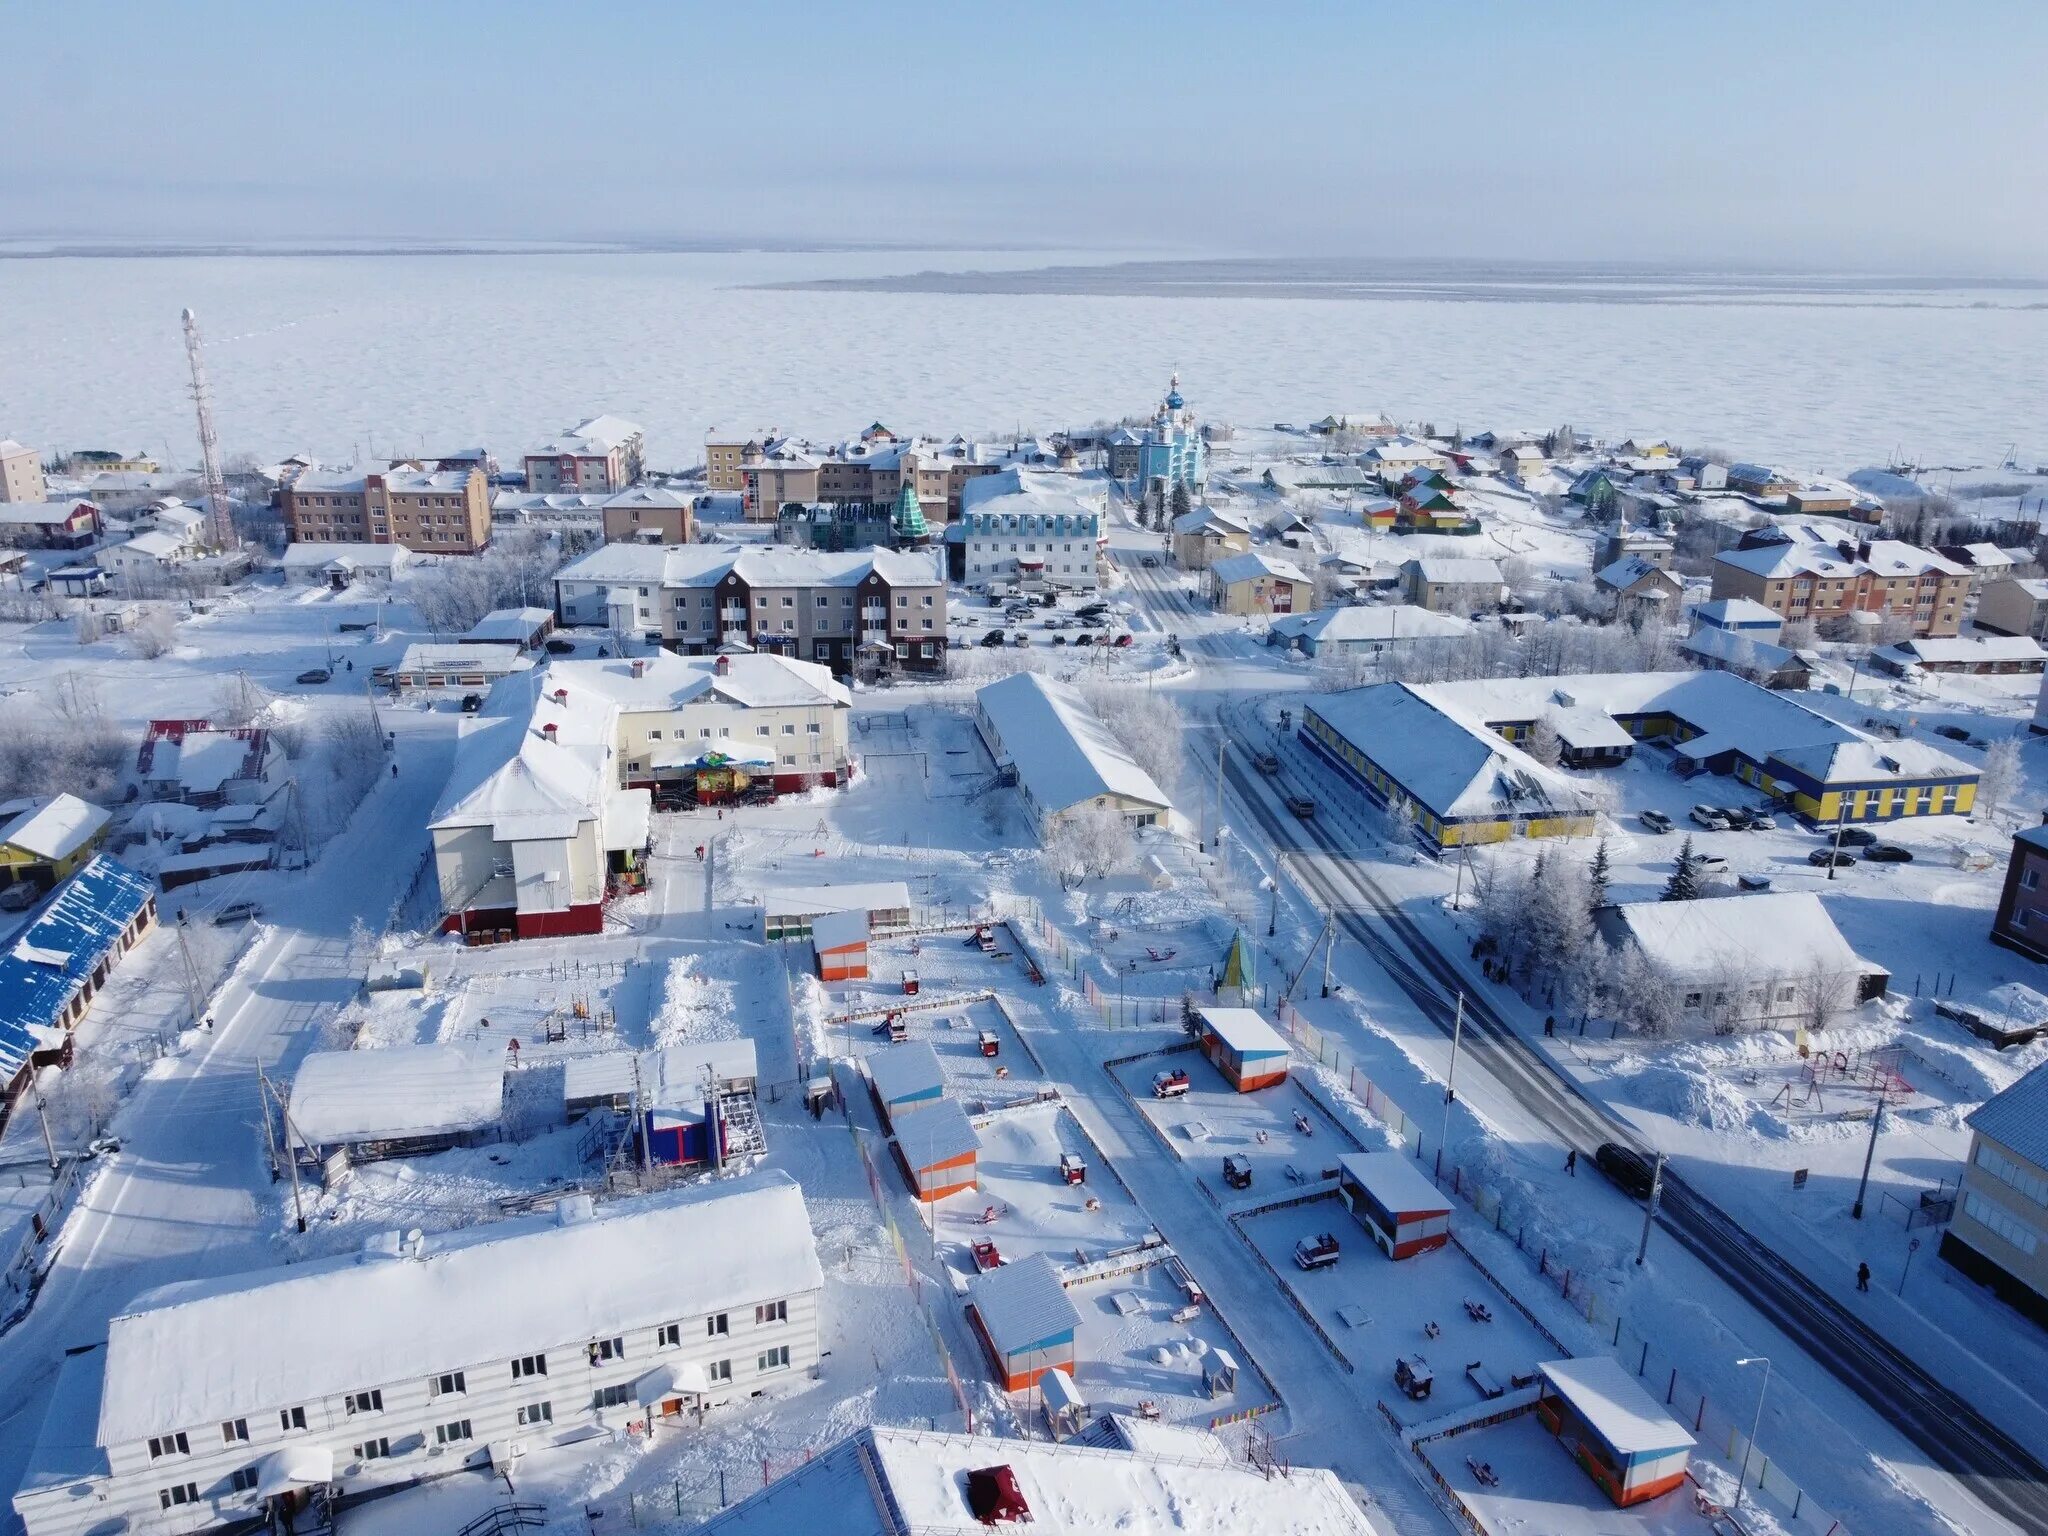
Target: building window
<point x="371" y="1401"/>
<point x="529" y="1365"/>
<point x="537" y="1413"/>
<point x="813" y="728"/>
<point x="2030" y="879"/>
<point x="242" y="1480"/>
<point x="181" y="1493"/>
<point x="1997" y="1219"/>
<point x="374" y="1450"/>
<point x="2010" y="1173"/>
<point x="717" y="1327"/>
<point x="175" y="1444"/>
<point x="611" y="1397"/>
<point x="450" y="1383"/>
<point x="452" y="1433"/>
<point x="669" y="1337"/>
<point x="607" y="1349"/>
<point x="234" y="1430"/>
<point x="289" y="1419"/>
<point x="776" y="1359"/>
<point x="771" y="1312"/>
<point x="789" y="730"/>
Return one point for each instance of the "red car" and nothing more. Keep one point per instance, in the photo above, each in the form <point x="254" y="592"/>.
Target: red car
<point x="986" y="1257"/>
<point x="1121" y="641"/>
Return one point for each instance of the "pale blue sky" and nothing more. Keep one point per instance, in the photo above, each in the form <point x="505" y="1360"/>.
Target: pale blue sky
<point x="1826" y="133"/>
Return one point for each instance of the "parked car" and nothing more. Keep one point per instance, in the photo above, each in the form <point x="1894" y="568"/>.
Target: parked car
<point x="1711" y="817"/>
<point x="993" y="637"/>
<point x="558" y="646"/>
<point x="1122" y="641"/>
<point x="1655" y="821"/>
<point x="1627" y="1167"/>
<point x="472" y="702"/>
<point x="1853" y="837"/>
<point x="1059" y="639"/>
<point x="18" y="897"/>
<point x="237" y="912"/>
<point x="1302" y="806"/>
<point x="1237" y="1171"/>
<point x="1020" y="639"/>
<point x="1952" y="732"/>
<point x="1709" y="864"/>
<point x="1266" y="763"/>
<point x="1888" y="853"/>
<point x="1762" y="821"/>
<point x="1822" y="858"/>
<point x="1084" y="639"/>
<point x="1754" y="881"/>
<point x="315" y="675"/>
<point x="1170" y="1085"/>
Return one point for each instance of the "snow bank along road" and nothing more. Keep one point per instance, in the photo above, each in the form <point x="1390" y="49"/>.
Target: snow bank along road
<point x="1994" y="1468"/>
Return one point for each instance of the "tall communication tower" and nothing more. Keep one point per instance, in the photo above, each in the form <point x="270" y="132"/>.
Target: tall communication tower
<point x="220" y="526"/>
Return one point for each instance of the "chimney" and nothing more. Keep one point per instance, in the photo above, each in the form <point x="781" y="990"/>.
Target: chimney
<point x="639" y="666"/>
<point x="561" y="695"/>
<point x="722" y="666"/>
<point x="548" y="730"/>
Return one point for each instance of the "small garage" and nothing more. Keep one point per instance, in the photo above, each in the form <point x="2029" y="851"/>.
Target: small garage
<point x="1025" y="1320"/>
<point x="905" y="1079"/>
<point x="1613" y="1428"/>
<point x="839" y="940"/>
<point x="1242" y="1046"/>
<point x="937" y="1149"/>
<point x="1394" y="1201"/>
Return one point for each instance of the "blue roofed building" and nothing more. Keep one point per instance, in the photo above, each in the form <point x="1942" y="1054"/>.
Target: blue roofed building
<point x="1173" y="451"/>
<point x="50" y="973"/>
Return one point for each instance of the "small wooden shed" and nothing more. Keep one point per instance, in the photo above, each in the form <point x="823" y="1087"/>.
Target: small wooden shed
<point x="1025" y="1320"/>
<point x="1395" y="1202"/>
<point x="839" y="940"/>
<point x="905" y="1079"/>
<point x="1242" y="1046"/>
<point x="938" y="1149"/>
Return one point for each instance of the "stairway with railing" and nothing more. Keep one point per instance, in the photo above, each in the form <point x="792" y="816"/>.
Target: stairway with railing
<point x="506" y="1517"/>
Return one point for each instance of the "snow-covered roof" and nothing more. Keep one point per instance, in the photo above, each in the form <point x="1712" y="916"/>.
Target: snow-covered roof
<point x="1456" y="571"/>
<point x="510" y="626"/>
<point x="489" y="660"/>
<point x="1196" y="519"/>
<point x="1968" y="649"/>
<point x="1020" y="492"/>
<point x="1862" y="761"/>
<point x="1402" y="450"/>
<point x="1396" y="1181"/>
<point x="1737" y="648"/>
<point x="839" y="930"/>
<point x="658" y="496"/>
<point x="153" y="545"/>
<point x="203" y="1351"/>
<point x="1614" y="1403"/>
<point x="320" y="556"/>
<point x="862" y="896"/>
<point x="902" y="1482"/>
<point x="202" y="761"/>
<point x="936" y="1135"/>
<point x="42" y="513"/>
<point x="46" y="963"/>
<point x="670" y="1073"/>
<point x="1062" y="751"/>
<point x="1803" y="557"/>
<point x="705" y="565"/>
<point x="1739" y="613"/>
<point x="1768" y="934"/>
<point x="1252" y="566"/>
<point x="1022" y="1304"/>
<point x="1450" y="764"/>
<point x="905" y="1072"/>
<point x="1364" y="623"/>
<point x="612" y="431"/>
<point x="1628" y="570"/>
<point x="1244" y="1031"/>
<point x="56" y="829"/>
<point x="2017" y="1119"/>
<point x="405" y="1090"/>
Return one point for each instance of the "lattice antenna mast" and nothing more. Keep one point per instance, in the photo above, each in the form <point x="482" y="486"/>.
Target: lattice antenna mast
<point x="220" y="521"/>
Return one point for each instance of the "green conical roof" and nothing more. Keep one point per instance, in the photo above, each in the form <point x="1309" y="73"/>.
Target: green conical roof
<point x="909" y="515"/>
<point x="1239" y="969"/>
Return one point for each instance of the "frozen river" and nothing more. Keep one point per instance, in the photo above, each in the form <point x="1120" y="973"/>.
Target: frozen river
<point x="379" y="354"/>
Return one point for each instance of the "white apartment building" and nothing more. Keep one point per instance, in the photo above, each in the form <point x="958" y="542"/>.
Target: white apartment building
<point x="604" y="453"/>
<point x="21" y="472"/>
<point x="230" y="1399"/>
<point x="1033" y="527"/>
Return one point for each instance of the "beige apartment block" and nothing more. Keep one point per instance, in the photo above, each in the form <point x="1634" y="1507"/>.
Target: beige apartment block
<point x="21" y="473"/>
<point x="430" y="512"/>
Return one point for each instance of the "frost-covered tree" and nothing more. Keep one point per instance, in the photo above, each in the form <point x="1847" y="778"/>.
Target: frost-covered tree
<point x="153" y="633"/>
<point x="1999" y="781"/>
<point x="1089" y="845"/>
<point x="1146" y="725"/>
<point x="1543" y="743"/>
<point x="1598" y="875"/>
<point x="1179" y="505"/>
<point x="1823" y="995"/>
<point x="1684" y="884"/>
<point x="239" y="700"/>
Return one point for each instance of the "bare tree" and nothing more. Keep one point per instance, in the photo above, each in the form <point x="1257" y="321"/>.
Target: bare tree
<point x="154" y="633"/>
<point x="1543" y="742"/>
<point x="1999" y="780"/>
<point x="1089" y="845"/>
<point x="1822" y="995"/>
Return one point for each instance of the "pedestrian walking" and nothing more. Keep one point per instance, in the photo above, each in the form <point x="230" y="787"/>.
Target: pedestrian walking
<point x="1862" y="1277"/>
<point x="394" y="770"/>
<point x="1549" y="1025"/>
<point x="1571" y="1162"/>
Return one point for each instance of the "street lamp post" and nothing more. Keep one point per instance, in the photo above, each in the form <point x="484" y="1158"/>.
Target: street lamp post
<point x="1451" y="1082"/>
<point x="1754" y="1425"/>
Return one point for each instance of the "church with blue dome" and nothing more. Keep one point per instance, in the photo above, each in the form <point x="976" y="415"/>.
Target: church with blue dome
<point x="1172" y="450"/>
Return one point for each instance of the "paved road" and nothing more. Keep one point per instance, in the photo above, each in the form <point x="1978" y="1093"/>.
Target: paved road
<point x="189" y="1194"/>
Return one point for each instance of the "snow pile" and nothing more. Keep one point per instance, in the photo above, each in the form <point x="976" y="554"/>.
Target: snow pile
<point x="693" y="1006"/>
<point x="1703" y="1098"/>
<point x="1978" y="1071"/>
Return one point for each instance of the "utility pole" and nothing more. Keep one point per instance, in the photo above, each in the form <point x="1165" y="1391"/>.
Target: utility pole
<point x="1650" y="1206"/>
<point x="43" y="1115"/>
<point x="193" y="996"/>
<point x="291" y="1160"/>
<point x="220" y="527"/>
<point x="1451" y="1082"/>
<point x="269" y="1131"/>
<point x="639" y="1119"/>
<point x="1329" y="949"/>
<point x="1869" y="1153"/>
<point x="1217" y="825"/>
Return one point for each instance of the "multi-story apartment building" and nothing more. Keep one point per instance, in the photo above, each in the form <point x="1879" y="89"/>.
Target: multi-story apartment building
<point x="853" y="610"/>
<point x="429" y="511"/>
<point x="1027" y="526"/>
<point x="601" y="454"/>
<point x="2022" y="919"/>
<point x="775" y="472"/>
<point x="724" y="452"/>
<point x="248" y="1398"/>
<point x="21" y="473"/>
<point x="1999" y="1232"/>
<point x="1799" y="575"/>
<point x="649" y="514"/>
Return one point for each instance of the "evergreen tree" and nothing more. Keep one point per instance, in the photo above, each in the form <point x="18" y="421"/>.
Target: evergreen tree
<point x="1684" y="884"/>
<point x="1597" y="878"/>
<point x="1181" y="505"/>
